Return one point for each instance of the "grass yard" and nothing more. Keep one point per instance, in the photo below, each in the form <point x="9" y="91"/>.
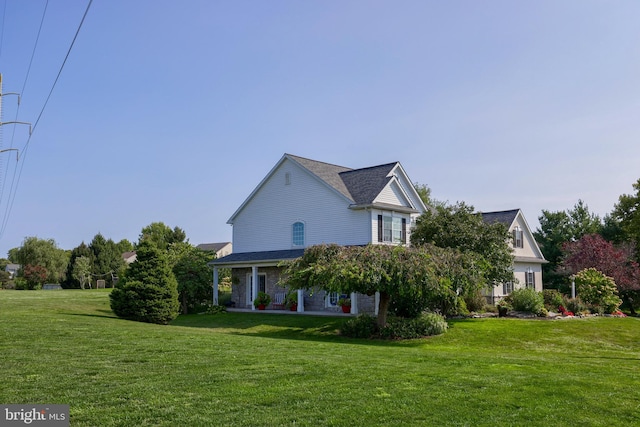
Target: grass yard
<point x="269" y="370"/>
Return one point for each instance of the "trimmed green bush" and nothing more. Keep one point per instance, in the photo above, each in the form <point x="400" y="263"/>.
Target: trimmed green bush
<point x="527" y="300"/>
<point x="363" y="326"/>
<point x="425" y="325"/>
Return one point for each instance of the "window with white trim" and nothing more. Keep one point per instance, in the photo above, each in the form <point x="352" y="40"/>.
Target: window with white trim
<point x="298" y="233"/>
<point x="530" y="278"/>
<point x="507" y="288"/>
<point x="392" y="229"/>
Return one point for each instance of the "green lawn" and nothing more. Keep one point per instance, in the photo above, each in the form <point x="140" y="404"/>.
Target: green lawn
<point x="268" y="370"/>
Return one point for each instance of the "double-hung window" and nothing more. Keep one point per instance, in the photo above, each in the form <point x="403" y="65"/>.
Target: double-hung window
<point x="392" y="229"/>
<point x="530" y="278"/>
<point x="507" y="288"/>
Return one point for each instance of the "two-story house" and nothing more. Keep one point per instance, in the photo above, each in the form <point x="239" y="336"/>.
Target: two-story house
<point x="303" y="202"/>
<point x="527" y="256"/>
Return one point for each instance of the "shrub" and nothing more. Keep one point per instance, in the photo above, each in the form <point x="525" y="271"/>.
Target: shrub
<point x="215" y="309"/>
<point x="426" y="324"/>
<point x="575" y="305"/>
<point x="552" y="299"/>
<point x="475" y="301"/>
<point x="363" y="326"/>
<point x="527" y="300"/>
<point x="597" y="289"/>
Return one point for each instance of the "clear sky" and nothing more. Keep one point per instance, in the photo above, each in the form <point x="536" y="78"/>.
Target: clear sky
<point x="174" y="111"/>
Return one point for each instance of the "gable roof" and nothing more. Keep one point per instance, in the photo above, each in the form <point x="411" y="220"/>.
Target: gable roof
<point x="508" y="218"/>
<point x="505" y="217"/>
<point x="359" y="187"/>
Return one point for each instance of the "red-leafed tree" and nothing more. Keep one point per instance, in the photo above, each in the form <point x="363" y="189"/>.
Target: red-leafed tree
<point x="592" y="251"/>
<point x="34" y="275"/>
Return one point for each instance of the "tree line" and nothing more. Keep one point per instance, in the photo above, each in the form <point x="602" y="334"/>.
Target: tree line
<point x="41" y="261"/>
<point x="575" y="239"/>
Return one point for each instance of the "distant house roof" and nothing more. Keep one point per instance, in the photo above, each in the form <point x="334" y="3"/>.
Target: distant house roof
<point x="212" y="247"/>
<point x="504" y="217"/>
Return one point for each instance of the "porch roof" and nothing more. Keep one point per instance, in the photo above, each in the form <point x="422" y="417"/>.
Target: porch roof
<point x="242" y="259"/>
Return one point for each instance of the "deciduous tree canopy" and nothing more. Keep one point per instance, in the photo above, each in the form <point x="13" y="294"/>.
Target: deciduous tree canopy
<point x="459" y="227"/>
<point x="423" y="275"/>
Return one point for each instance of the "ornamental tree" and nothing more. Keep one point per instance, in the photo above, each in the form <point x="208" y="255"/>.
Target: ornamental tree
<point x="592" y="251"/>
<point x="395" y="272"/>
<point x="148" y="291"/>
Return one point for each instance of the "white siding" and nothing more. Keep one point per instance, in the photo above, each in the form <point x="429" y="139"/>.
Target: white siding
<point x="529" y="245"/>
<point x="265" y="222"/>
<point x="392" y="195"/>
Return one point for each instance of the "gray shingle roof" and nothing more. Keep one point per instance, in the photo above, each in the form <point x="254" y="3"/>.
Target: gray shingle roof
<point x="505" y="217"/>
<point x="361" y="186"/>
<point x="366" y="184"/>
<point x="263" y="256"/>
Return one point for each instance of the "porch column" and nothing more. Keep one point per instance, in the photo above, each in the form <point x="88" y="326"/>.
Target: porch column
<point x="354" y="303"/>
<point x="377" y="302"/>
<point x="300" y="300"/>
<point x="215" y="285"/>
<point x="254" y="285"/>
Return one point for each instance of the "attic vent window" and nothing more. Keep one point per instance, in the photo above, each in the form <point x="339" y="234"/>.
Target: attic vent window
<point x="287" y="178"/>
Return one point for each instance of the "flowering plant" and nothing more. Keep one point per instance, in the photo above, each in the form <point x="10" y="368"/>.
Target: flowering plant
<point x="564" y="311"/>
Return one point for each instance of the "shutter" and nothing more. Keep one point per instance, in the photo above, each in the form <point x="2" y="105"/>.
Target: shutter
<point x="379" y="228"/>
<point x="404" y="230"/>
<point x="515" y="238"/>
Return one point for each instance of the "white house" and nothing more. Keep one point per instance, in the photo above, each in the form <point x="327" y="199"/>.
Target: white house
<point x="528" y="258"/>
<point x="220" y="248"/>
<point x="303" y="202"/>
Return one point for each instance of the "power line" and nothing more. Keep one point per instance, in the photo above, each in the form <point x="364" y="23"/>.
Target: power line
<point x="14" y="190"/>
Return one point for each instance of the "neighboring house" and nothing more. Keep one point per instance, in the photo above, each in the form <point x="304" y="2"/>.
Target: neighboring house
<point x="221" y="249"/>
<point x="129" y="257"/>
<point x="12" y="269"/>
<point x="528" y="259"/>
<point x="303" y="202"/>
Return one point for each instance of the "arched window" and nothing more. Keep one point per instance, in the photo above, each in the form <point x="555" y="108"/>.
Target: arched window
<point x="298" y="233"/>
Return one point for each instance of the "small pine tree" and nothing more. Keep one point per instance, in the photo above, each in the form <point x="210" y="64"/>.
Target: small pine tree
<point x="148" y="291"/>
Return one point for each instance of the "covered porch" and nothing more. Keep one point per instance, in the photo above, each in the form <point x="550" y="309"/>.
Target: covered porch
<point x="254" y="272"/>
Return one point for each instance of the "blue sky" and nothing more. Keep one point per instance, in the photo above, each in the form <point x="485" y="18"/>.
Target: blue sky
<point x="174" y="111"/>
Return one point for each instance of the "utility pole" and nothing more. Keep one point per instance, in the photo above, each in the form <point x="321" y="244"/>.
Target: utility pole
<point x="11" y="123"/>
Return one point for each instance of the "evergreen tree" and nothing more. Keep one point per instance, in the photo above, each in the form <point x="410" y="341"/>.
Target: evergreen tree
<point x="148" y="291"/>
